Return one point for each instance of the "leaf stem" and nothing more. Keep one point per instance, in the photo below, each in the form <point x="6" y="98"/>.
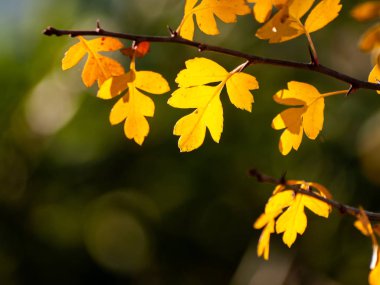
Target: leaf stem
<point x="335" y="93"/>
<point x="312" y="49"/>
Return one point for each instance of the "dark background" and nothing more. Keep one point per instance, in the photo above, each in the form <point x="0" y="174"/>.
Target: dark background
<point x="81" y="204"/>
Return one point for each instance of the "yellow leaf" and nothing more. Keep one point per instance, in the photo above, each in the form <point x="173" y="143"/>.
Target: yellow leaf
<point x="262" y="10"/>
<point x="134" y="106"/>
<point x="280" y="28"/>
<point x="322" y="14"/>
<point x="209" y="113"/>
<point x="97" y="67"/>
<point x="308" y="117"/>
<point x="293" y="221"/>
<point x="151" y="82"/>
<point x="238" y="86"/>
<point x="298" y="8"/>
<point x="115" y="85"/>
<point x="366" y="11"/>
<point x="279" y="201"/>
<point x="363" y="224"/>
<point x="313" y="118"/>
<point x="264" y="241"/>
<point x="205" y="13"/>
<point x="267" y="222"/>
<point x="200" y="71"/>
<point x="374" y="76"/>
<point x="321" y="189"/>
<point x="370" y="39"/>
<point x="193" y="93"/>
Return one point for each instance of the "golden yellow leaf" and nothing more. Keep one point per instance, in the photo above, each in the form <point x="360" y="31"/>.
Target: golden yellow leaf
<point x="307" y="117"/>
<point x="205" y="13"/>
<point x="267" y="222"/>
<point x="262" y="9"/>
<point x="374" y="76"/>
<point x="200" y="71"/>
<point x="279" y="201"/>
<point x="285" y="24"/>
<point x="366" y="11"/>
<point x="280" y="28"/>
<point x="97" y="67"/>
<point x="134" y="106"/>
<point x="298" y="8"/>
<point x="322" y="14"/>
<point x="293" y="221"/>
<point x="363" y="224"/>
<point x="238" y="86"/>
<point x="205" y="99"/>
<point x="370" y="39"/>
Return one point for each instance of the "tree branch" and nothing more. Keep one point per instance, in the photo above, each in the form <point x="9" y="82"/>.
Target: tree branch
<point x="342" y="208"/>
<point x="252" y="59"/>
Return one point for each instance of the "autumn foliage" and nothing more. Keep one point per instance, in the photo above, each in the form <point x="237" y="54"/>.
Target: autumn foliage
<point x="202" y="82"/>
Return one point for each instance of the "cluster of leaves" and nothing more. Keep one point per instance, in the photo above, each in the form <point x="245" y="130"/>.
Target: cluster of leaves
<point x="284" y="212"/>
<point x="200" y="85"/>
<point x="195" y="83"/>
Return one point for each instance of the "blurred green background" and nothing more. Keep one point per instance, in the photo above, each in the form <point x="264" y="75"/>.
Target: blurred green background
<point x="80" y="204"/>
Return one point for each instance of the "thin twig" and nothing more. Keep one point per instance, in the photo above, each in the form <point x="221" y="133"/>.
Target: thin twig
<point x="342" y="208"/>
<point x="252" y="59"/>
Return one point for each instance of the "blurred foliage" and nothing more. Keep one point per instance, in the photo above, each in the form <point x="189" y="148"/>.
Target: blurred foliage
<point x="79" y="204"/>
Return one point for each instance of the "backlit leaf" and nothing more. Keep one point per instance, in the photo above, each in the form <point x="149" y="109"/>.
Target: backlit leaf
<point x="374" y="76"/>
<point x="267" y="222"/>
<point x="366" y="11"/>
<point x="205" y="99"/>
<point x="370" y="39"/>
<point x="205" y="13"/>
<point x="293" y="221"/>
<point x="322" y="14"/>
<point x="97" y="67"/>
<point x="238" y="89"/>
<point x="281" y="27"/>
<point x="307" y="117"/>
<point x="133" y="106"/>
<point x="287" y="207"/>
<point x="286" y="23"/>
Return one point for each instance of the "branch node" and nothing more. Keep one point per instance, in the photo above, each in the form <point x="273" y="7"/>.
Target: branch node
<point x="283" y="178"/>
<point x="49" y="31"/>
<point x="172" y="33"/>
<point x="352" y="89"/>
<point x="314" y="59"/>
<point x="98" y="29"/>
<point x="202" y="47"/>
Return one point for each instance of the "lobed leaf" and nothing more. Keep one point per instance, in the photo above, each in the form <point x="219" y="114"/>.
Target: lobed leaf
<point x="238" y="89"/>
<point x="200" y="71"/>
<point x="294" y="221"/>
<point x="307" y="117"/>
<point x="133" y="106"/>
<point x="205" y="13"/>
<point x="205" y="99"/>
<point x="97" y="67"/>
<point x="322" y="14"/>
